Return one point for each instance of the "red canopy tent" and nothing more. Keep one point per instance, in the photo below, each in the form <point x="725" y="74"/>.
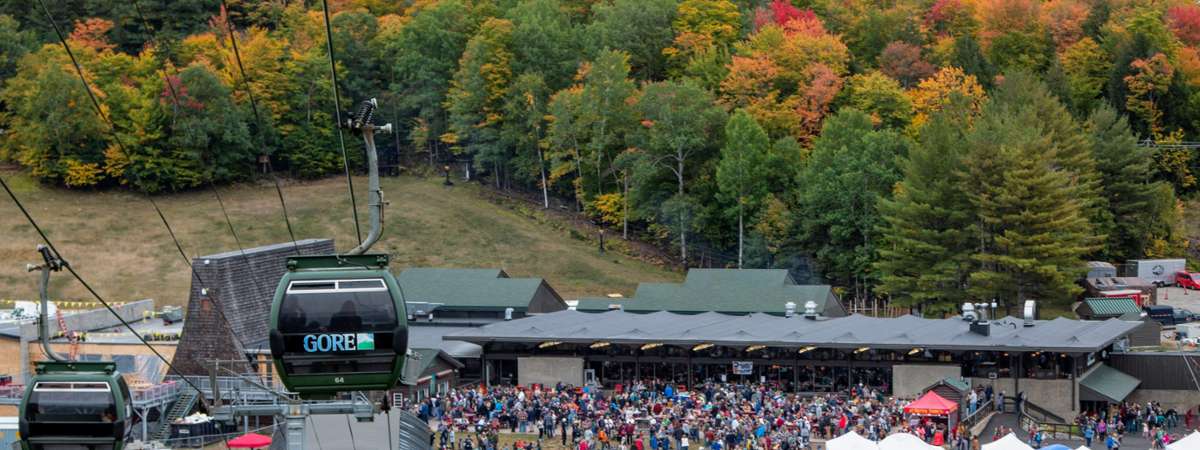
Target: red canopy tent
<point x="936" y="408"/>
<point x="250" y="440"/>
<point x="931" y="404"/>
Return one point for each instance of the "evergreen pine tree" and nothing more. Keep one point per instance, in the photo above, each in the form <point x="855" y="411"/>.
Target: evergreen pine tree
<point x="1031" y="228"/>
<point x="924" y="259"/>
<point x="1020" y="93"/>
<point x="1135" y="203"/>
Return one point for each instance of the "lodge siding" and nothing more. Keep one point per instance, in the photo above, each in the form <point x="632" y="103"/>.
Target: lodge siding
<point x="1157" y="370"/>
<point x="240" y="286"/>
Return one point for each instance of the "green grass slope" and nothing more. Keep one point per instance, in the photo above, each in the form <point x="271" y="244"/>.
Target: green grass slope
<point x="117" y="242"/>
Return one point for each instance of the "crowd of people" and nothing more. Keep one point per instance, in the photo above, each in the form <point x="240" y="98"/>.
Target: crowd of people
<point x="1153" y="422"/>
<point x="651" y="415"/>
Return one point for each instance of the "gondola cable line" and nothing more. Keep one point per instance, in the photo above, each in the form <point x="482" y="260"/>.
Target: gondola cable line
<point x="338" y="322"/>
<point x="362" y="122"/>
<point x="116" y="139"/>
<point x="212" y="185"/>
<point x="337" y="116"/>
<point x="52" y="252"/>
<point x="362" y="346"/>
<point x="258" y="132"/>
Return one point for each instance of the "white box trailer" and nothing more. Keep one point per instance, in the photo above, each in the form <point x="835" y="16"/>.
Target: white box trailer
<point x="1161" y="272"/>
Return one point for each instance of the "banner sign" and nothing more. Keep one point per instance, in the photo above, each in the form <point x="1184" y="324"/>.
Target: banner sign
<point x="344" y="342"/>
<point x="743" y="367"/>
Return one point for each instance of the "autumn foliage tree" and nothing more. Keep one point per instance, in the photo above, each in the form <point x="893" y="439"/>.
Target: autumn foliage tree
<point x="1185" y="23"/>
<point x="903" y="61"/>
<point x="934" y="93"/>
<point x="619" y="106"/>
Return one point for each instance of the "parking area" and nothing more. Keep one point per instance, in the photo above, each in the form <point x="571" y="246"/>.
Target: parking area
<point x="1179" y="298"/>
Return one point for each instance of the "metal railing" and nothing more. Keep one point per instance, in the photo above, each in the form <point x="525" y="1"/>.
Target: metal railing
<point x="201" y="440"/>
<point x="1053" y="425"/>
<point x="981" y="412"/>
<point x="164" y="392"/>
<point x="236" y="388"/>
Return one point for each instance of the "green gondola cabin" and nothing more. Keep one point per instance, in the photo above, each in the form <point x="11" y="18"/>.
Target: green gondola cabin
<point x="338" y="324"/>
<point x="83" y="405"/>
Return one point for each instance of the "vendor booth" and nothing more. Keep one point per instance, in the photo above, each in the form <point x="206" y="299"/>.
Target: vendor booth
<point x="936" y="408"/>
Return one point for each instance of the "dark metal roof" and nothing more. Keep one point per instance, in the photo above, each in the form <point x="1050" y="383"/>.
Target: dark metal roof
<point x="429" y="356"/>
<point x="906" y="332"/>
<point x="432" y="337"/>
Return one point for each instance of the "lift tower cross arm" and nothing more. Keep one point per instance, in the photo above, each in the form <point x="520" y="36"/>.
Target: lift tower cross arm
<point x="361" y="121"/>
<point x="50" y="263"/>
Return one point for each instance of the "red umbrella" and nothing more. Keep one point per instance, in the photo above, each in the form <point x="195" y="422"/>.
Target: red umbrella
<point x="251" y="440"/>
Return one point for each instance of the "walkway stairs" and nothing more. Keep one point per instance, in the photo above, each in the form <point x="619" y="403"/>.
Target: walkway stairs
<point x="185" y="403"/>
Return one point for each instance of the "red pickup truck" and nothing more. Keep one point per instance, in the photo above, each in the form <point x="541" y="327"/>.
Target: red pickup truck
<point x="1187" y="280"/>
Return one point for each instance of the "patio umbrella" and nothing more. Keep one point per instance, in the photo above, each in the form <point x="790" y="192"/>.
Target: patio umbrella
<point x="251" y="440"/>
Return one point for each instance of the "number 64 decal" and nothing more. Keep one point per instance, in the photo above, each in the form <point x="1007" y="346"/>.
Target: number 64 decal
<point x="339" y="380"/>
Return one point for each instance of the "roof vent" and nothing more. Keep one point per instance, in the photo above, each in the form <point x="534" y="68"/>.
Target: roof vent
<point x="982" y="328"/>
<point x="507" y="313"/>
<point x="789" y="309"/>
<point x="1030" y="312"/>
<point x="968" y="312"/>
<point x="810" y="310"/>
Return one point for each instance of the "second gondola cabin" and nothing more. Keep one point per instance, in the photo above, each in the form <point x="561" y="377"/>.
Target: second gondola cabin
<point x="82" y="405"/>
<point x="338" y="324"/>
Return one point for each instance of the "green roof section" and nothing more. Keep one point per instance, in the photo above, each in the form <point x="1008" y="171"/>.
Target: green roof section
<point x="957" y="383"/>
<point x="474" y="289"/>
<point x="1110" y="383"/>
<point x="1114" y="307"/>
<point x="734" y="291"/>
<point x="429" y="357"/>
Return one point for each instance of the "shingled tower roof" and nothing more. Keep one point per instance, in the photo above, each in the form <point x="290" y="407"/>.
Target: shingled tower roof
<point x="241" y="285"/>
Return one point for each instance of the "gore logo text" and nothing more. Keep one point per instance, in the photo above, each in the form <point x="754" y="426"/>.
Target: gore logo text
<point x="344" y="342"/>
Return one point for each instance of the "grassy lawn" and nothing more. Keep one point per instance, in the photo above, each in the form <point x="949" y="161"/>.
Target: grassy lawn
<point x="117" y="242"/>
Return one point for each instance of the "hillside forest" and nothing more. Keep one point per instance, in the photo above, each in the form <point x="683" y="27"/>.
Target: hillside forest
<point x="927" y="152"/>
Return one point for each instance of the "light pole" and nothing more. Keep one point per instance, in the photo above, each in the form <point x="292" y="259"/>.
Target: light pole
<point x="446" y="169"/>
<point x="601" y="241"/>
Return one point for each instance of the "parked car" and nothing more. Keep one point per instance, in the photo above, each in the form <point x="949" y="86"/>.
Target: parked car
<point x="1161" y="313"/>
<point x="1187" y="280"/>
<point x="1183" y="315"/>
